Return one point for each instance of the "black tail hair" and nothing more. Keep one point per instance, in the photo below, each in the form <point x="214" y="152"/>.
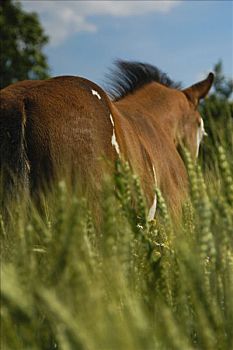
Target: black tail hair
<point x="14" y="165"/>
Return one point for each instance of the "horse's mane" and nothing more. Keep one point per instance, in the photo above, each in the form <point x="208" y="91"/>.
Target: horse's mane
<point x="128" y="76"/>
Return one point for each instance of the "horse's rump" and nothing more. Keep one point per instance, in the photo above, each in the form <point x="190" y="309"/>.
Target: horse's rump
<point x="60" y="128"/>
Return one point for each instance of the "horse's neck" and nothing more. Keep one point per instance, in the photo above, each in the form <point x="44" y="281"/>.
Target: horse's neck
<point x="152" y="104"/>
<point x="144" y="111"/>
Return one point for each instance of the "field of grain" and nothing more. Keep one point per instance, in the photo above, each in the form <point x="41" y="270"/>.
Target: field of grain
<point x="129" y="284"/>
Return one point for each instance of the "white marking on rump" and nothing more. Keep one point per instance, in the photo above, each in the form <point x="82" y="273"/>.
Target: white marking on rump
<point x="115" y="143"/>
<point x="114" y="140"/>
<point x="112" y="121"/>
<point x="95" y="93"/>
<point x="200" y="133"/>
<point x="152" y="210"/>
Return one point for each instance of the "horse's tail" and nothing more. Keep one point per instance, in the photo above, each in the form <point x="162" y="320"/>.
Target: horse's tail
<point x="14" y="166"/>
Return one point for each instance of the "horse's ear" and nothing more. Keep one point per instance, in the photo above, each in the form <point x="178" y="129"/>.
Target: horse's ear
<point x="199" y="90"/>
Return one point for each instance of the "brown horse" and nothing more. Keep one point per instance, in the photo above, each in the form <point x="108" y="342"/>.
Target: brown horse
<point x="47" y="127"/>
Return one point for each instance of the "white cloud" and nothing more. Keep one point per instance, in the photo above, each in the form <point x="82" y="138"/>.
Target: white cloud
<point x="62" y="19"/>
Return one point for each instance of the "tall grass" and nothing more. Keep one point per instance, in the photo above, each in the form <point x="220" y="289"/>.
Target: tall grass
<point x="128" y="284"/>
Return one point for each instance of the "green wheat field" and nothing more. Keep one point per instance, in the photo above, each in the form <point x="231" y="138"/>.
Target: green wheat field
<point x="125" y="284"/>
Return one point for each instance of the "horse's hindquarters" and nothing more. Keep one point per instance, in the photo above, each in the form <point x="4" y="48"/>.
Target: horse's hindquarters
<point x="68" y="136"/>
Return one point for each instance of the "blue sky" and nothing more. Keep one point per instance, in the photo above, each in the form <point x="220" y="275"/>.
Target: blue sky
<point x="183" y="38"/>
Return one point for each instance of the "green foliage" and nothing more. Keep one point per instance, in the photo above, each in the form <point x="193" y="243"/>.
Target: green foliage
<point x="223" y="87"/>
<point x="22" y="39"/>
<point x="217" y="112"/>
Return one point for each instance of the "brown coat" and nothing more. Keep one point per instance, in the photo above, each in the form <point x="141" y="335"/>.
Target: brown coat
<point x="69" y="125"/>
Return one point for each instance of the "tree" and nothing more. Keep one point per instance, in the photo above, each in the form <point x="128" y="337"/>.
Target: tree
<point x="217" y="112"/>
<point x="221" y="97"/>
<point x="223" y="87"/>
<point x="21" y="41"/>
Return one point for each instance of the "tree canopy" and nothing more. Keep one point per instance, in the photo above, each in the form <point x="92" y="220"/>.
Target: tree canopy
<point x="22" y="39"/>
<point x="223" y="86"/>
